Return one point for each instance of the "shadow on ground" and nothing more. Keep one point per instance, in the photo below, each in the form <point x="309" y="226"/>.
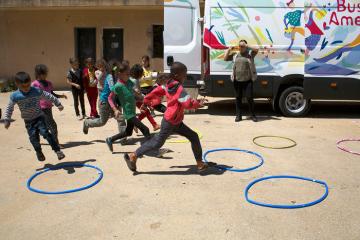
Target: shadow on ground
<point x="189" y="170"/>
<point x="2" y="121"/>
<point x="264" y="111"/>
<point x="67" y="166"/>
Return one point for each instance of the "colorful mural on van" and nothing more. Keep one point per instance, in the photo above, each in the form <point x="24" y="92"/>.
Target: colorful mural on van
<point x="322" y="37"/>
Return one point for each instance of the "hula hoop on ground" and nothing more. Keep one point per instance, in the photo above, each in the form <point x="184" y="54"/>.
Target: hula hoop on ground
<point x="100" y="172"/>
<point x="281" y="206"/>
<point x="185" y="140"/>
<point x="269" y="136"/>
<point x="345" y="149"/>
<point x="238" y="150"/>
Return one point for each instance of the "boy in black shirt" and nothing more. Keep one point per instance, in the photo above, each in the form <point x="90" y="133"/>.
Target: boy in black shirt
<point x="75" y="81"/>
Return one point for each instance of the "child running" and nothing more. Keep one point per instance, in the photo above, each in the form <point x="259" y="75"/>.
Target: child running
<point x="74" y="79"/>
<point x="136" y="74"/>
<point x="90" y="84"/>
<point x="99" y="74"/>
<point x="104" y="108"/>
<point x="177" y="101"/>
<point x="41" y="82"/>
<point x="123" y="90"/>
<point x="161" y="81"/>
<point x="28" y="100"/>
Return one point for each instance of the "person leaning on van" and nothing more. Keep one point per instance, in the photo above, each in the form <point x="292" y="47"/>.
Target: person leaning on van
<point x="244" y="73"/>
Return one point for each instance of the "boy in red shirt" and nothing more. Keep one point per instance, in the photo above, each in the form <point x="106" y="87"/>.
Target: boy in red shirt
<point x="177" y="101"/>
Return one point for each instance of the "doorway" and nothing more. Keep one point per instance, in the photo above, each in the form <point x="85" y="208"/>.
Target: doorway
<point x="113" y="44"/>
<point x="85" y="44"/>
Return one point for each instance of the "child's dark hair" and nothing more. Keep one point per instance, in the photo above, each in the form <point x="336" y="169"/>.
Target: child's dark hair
<point x="41" y="69"/>
<point x="120" y="67"/>
<point x="146" y="57"/>
<point x="243" y="40"/>
<point x="136" y="71"/>
<point x="89" y="60"/>
<point x="162" y="78"/>
<point x="22" y="77"/>
<point x="102" y="62"/>
<point x="113" y="64"/>
<point x="73" y="60"/>
<point x="177" y="68"/>
<point x="126" y="62"/>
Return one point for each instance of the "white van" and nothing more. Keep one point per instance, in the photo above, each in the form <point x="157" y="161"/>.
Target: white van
<point x="308" y="49"/>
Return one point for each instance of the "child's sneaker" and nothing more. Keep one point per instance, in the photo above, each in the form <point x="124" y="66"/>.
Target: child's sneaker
<point x="109" y="144"/>
<point x="40" y="156"/>
<point x="123" y="141"/>
<point x="162" y="152"/>
<point x="85" y="128"/>
<point x="60" y="155"/>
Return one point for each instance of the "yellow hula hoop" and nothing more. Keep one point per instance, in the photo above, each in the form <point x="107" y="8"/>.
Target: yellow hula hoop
<point x="185" y="140"/>
<point x="268" y="136"/>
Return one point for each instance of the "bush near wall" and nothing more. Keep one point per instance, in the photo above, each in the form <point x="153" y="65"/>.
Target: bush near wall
<point x="7" y="85"/>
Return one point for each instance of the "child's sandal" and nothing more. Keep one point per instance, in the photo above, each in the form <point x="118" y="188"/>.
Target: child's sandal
<point x="203" y="169"/>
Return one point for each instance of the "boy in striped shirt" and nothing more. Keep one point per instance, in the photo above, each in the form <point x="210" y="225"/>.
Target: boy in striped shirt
<point x="28" y="100"/>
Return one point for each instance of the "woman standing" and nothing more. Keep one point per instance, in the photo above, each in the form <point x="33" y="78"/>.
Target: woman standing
<point x="244" y="73"/>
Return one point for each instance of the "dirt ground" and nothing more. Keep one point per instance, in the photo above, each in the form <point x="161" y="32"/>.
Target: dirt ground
<point x="168" y="200"/>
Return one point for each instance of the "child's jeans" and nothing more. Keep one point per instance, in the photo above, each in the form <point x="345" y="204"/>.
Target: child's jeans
<point x="168" y="129"/>
<point x="106" y="113"/>
<point x="131" y="123"/>
<point x="38" y="127"/>
<point x="50" y="122"/>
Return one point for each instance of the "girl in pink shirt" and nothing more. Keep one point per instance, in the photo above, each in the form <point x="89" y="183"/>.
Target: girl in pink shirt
<point x="41" y="72"/>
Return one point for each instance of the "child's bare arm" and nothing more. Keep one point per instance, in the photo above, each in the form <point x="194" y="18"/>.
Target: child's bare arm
<point x="58" y="95"/>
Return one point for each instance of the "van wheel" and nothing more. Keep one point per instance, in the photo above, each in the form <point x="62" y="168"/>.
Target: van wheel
<point x="275" y="105"/>
<point x="292" y="102"/>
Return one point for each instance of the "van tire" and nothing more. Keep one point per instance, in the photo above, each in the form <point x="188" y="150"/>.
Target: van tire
<point x="275" y="105"/>
<point x="292" y="102"/>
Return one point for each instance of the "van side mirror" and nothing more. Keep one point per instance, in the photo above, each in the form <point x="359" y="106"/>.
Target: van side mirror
<point x="170" y="60"/>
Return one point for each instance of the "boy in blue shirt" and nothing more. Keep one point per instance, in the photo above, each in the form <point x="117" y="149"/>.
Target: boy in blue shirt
<point x="28" y="100"/>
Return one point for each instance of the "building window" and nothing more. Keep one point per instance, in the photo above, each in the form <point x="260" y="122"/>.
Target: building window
<point x="158" y="41"/>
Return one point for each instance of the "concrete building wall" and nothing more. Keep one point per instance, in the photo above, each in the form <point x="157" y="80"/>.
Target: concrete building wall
<point x="29" y="37"/>
<point x="76" y="3"/>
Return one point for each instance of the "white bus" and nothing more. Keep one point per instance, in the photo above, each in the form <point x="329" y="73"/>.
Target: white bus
<point x="309" y="49"/>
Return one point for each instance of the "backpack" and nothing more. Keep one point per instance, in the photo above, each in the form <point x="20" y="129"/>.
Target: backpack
<point x="244" y="69"/>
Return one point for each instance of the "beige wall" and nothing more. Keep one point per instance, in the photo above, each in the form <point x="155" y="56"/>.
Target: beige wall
<point x="87" y="3"/>
<point x="29" y="37"/>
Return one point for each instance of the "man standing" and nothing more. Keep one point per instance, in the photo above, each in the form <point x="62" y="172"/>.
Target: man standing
<point x="244" y="73"/>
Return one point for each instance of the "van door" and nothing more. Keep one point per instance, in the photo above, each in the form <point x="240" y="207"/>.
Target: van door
<point x="182" y="35"/>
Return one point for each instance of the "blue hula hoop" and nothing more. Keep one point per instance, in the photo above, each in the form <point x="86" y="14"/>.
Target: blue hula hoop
<point x="286" y="206"/>
<point x="100" y="172"/>
<point x="239" y="150"/>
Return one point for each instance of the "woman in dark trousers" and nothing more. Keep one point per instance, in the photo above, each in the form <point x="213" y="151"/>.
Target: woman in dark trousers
<point x="244" y="73"/>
